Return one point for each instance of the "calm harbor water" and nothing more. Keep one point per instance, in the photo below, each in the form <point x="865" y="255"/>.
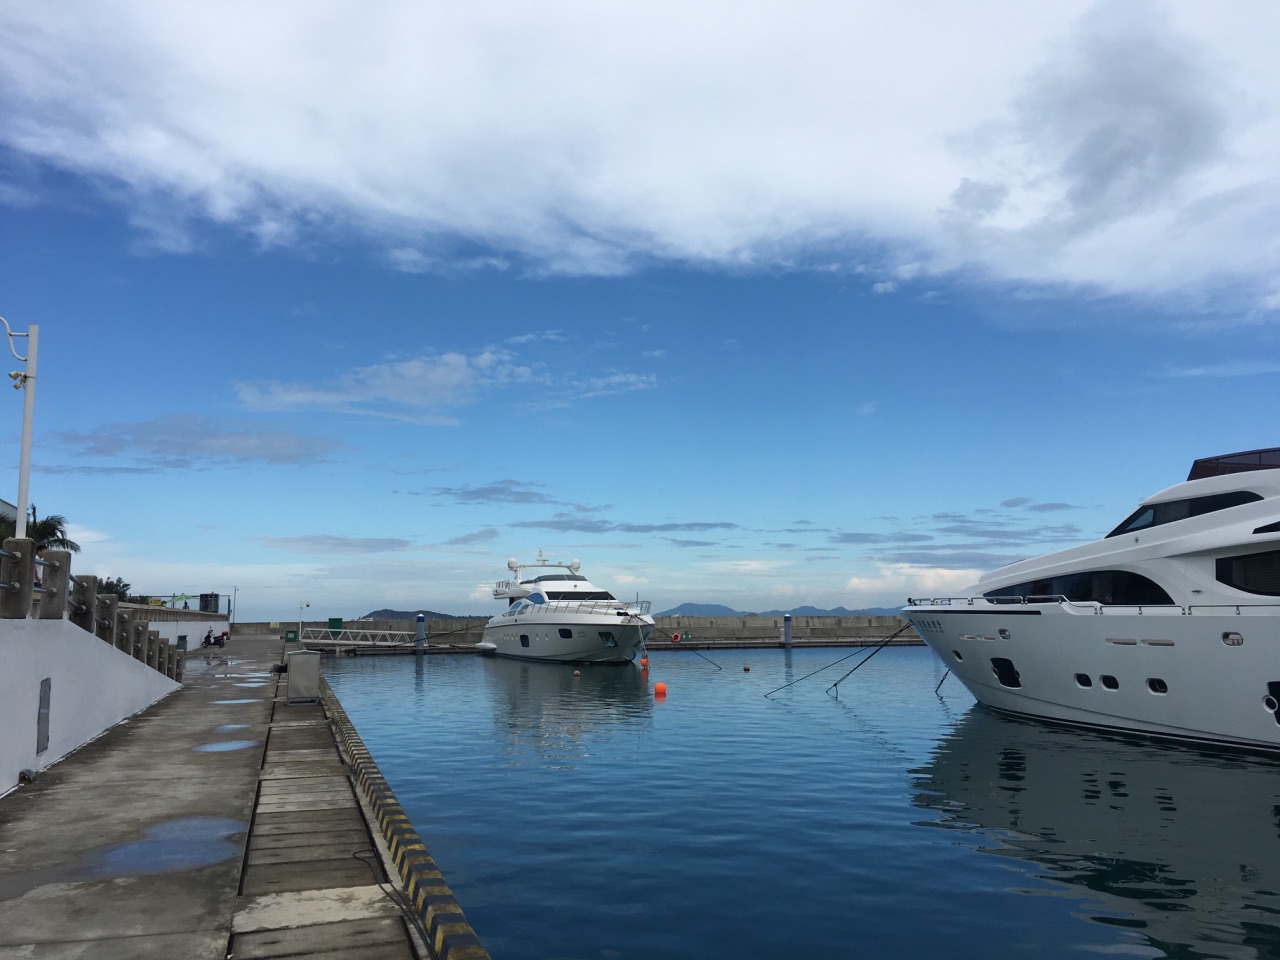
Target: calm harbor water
<point x="576" y="817"/>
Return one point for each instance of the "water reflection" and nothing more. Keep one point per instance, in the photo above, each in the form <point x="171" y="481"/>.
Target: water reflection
<point x="1182" y="848"/>
<point x="544" y="706"/>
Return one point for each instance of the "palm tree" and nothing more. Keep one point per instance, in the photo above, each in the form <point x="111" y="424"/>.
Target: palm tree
<point x="50" y="531"/>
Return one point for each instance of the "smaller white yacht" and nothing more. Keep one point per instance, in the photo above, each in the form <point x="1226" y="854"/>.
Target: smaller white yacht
<point x="554" y="613"/>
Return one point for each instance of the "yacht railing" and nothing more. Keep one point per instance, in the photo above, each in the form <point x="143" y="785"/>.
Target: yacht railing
<point x="1103" y="609"/>
<point x="622" y="608"/>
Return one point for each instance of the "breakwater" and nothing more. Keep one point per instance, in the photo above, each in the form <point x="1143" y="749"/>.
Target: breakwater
<point x="717" y="631"/>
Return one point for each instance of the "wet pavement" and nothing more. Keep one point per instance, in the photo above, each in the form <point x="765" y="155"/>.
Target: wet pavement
<point x="219" y="822"/>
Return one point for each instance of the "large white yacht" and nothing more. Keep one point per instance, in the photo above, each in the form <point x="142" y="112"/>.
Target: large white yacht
<point x="555" y="613"/>
<point x="1168" y="626"/>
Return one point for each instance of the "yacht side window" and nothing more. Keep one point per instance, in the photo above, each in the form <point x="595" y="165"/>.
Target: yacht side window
<point x="1120" y="587"/>
<point x="1253" y="573"/>
<point x="1156" y="514"/>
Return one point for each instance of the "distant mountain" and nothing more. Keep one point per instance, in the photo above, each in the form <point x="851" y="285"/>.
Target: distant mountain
<point x="835" y="612"/>
<point x="719" y="610"/>
<point x="700" y="610"/>
<point x="413" y="615"/>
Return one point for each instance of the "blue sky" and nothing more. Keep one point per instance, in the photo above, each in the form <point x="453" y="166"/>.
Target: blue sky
<point x="764" y="305"/>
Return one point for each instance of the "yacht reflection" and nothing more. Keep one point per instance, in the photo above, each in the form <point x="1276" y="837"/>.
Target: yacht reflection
<point x="543" y="706"/>
<point x="1180" y="847"/>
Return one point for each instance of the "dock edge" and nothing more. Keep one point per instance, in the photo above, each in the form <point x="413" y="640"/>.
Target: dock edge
<point x="449" y="935"/>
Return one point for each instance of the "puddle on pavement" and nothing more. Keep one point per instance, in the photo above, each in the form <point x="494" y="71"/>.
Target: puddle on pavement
<point x="253" y="683"/>
<point x="229" y="727"/>
<point x="188" y="843"/>
<point x="222" y="746"/>
<point x="250" y="700"/>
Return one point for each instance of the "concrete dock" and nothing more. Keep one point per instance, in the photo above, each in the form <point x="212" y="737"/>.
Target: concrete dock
<point x="221" y="822"/>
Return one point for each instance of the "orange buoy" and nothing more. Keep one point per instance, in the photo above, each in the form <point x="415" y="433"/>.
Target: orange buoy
<point x="659" y="689"/>
<point x="644" y="663"/>
<point x="675" y="638"/>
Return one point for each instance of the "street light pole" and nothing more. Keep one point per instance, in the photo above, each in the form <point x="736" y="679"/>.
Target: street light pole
<point x="24" y="380"/>
<point x="301" y="604"/>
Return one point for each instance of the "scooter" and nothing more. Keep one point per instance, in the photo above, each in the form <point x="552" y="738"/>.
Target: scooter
<point x="220" y="640"/>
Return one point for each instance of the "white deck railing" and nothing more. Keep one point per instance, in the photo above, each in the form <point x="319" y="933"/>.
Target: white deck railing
<point x="1114" y="609"/>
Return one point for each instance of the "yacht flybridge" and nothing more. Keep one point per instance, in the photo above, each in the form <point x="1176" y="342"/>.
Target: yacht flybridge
<point x="1168" y="626"/>
<point x="555" y="613"/>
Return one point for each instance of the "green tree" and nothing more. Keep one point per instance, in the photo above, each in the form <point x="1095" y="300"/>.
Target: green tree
<point x="50" y="531"/>
<point x="116" y="586"/>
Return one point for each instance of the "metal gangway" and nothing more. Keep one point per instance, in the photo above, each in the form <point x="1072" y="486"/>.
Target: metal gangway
<point x="339" y="641"/>
<point x="327" y="640"/>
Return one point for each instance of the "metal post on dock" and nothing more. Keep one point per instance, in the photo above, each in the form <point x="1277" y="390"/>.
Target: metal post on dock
<point x="420" y="641"/>
<point x="786" y="630"/>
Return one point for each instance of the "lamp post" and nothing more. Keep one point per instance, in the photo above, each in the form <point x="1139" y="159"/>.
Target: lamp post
<point x="24" y="380"/>
<point x="301" y="604"/>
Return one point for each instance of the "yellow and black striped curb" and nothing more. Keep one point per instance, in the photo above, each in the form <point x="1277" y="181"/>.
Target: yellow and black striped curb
<point x="448" y="933"/>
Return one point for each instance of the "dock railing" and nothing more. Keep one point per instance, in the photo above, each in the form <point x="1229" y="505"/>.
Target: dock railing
<point x="61" y="596"/>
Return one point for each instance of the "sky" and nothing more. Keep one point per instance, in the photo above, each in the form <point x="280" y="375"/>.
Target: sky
<point x="766" y="304"/>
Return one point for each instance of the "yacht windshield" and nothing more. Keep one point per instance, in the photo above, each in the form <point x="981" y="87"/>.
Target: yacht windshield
<point x="1157" y="514"/>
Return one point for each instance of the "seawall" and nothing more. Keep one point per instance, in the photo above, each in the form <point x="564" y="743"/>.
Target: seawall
<point x="753" y="630"/>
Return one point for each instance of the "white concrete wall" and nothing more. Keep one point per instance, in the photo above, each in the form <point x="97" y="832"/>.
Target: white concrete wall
<point x="94" y="687"/>
<point x="193" y="630"/>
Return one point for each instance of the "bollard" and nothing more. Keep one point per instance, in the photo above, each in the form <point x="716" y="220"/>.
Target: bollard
<point x="420" y="642"/>
<point x="786" y="630"/>
<point x="55" y="577"/>
<point x="164" y="663"/>
<point x="180" y="663"/>
<point x="83" y="602"/>
<point x="138" y="640"/>
<point x="17" y="577"/>
<point x="153" y="649"/>
<point x="108" y="607"/>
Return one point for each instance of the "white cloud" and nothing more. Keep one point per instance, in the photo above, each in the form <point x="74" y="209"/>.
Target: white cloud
<point x="903" y="580"/>
<point x="1128" y="147"/>
<point x="412" y="389"/>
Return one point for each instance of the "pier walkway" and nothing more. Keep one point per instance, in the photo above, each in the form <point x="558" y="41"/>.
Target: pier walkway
<point x="220" y="822"/>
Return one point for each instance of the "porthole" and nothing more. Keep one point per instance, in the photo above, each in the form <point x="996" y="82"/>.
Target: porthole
<point x="1084" y="680"/>
<point x="1270" y="703"/>
<point x="1156" y="685"/>
<point x="1109" y="682"/>
<point x="566" y="633"/>
<point x="958" y="655"/>
<point x="1004" y="634"/>
<point x="524" y="639"/>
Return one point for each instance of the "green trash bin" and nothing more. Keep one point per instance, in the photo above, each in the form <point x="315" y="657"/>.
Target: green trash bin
<point x="182" y="641"/>
<point x="291" y="636"/>
<point x="335" y="626"/>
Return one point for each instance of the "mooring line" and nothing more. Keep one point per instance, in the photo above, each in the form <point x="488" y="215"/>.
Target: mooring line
<point x="942" y="681"/>
<point x="883" y="643"/>
<point x="819" y="670"/>
<point x="672" y="638"/>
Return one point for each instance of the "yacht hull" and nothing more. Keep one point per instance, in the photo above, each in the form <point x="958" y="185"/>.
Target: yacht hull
<point x="1206" y="675"/>
<point x="569" y="638"/>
